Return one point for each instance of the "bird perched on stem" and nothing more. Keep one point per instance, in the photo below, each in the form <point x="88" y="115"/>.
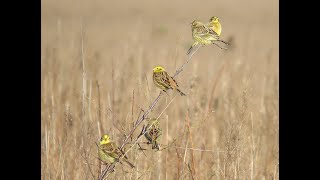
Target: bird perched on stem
<point x="153" y="133"/>
<point x="164" y="81"/>
<point x="204" y="35"/>
<point x="109" y="152"/>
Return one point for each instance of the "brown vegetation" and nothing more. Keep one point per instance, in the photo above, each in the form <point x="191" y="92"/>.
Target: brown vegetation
<point x="96" y="78"/>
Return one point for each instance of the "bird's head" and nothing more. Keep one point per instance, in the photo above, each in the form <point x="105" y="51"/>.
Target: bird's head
<point x="153" y="121"/>
<point x="158" y="69"/>
<point x="214" y="19"/>
<point x="104" y="139"/>
<point x="195" y="23"/>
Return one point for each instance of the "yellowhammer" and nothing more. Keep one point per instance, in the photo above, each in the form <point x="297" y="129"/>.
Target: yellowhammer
<point x="215" y="25"/>
<point x="109" y="152"/>
<point x="153" y="133"/>
<point x="164" y="81"/>
<point x="203" y="35"/>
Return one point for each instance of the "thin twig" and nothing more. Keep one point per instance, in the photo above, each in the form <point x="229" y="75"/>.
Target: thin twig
<point x="99" y="161"/>
<point x="190" y="171"/>
<point x="84" y="156"/>
<point x="112" y="95"/>
<point x="83" y="125"/>
<point x="214" y="85"/>
<point x="178" y="163"/>
<point x="132" y="105"/>
<point x="99" y="110"/>
<point x="83" y="72"/>
<point x="252" y="148"/>
<point x="190" y="137"/>
<point x="220" y="46"/>
<point x="148" y="86"/>
<point x="185" y="155"/>
<point x="178" y="71"/>
<point x="196" y="149"/>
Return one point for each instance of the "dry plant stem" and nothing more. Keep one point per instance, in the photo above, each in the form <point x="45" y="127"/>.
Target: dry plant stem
<point x="99" y="124"/>
<point x="85" y="157"/>
<point x="90" y="99"/>
<point x="167" y="137"/>
<point x="99" y="110"/>
<point x="178" y="163"/>
<point x="214" y="85"/>
<point x="196" y="149"/>
<point x="143" y="117"/>
<point x="190" y="171"/>
<point x="178" y="71"/>
<point x="190" y="137"/>
<point x="132" y="105"/>
<point x="185" y="156"/>
<point x="83" y="85"/>
<point x="83" y="72"/>
<point x="112" y="95"/>
<point x="252" y="148"/>
<point x="220" y="46"/>
<point x="148" y="87"/>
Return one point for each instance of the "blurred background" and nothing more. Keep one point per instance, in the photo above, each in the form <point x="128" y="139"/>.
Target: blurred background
<point x="97" y="58"/>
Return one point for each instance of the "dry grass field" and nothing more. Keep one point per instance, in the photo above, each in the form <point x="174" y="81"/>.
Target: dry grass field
<point x="97" y="58"/>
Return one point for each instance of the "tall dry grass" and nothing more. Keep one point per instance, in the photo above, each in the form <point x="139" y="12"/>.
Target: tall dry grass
<point x="97" y="77"/>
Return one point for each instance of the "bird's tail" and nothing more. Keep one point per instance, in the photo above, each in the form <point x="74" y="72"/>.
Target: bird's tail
<point x="223" y="42"/>
<point x="181" y="93"/>
<point x="155" y="145"/>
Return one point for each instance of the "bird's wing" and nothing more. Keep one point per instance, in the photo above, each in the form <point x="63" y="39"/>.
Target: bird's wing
<point x="107" y="148"/>
<point x="159" y="133"/>
<point x="165" y="80"/>
<point x="202" y="30"/>
<point x="213" y="32"/>
<point x="206" y="33"/>
<point x="171" y="81"/>
<point x="111" y="149"/>
<point x="175" y="81"/>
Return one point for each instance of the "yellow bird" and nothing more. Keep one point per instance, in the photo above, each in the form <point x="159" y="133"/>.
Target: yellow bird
<point x="164" y="81"/>
<point x="215" y="25"/>
<point x="203" y="35"/>
<point x="109" y="152"/>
